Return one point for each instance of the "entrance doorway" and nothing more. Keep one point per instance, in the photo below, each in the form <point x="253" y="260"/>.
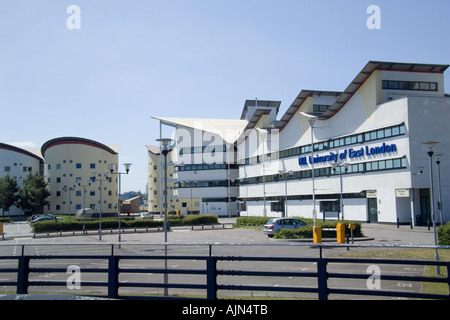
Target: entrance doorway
<point x="425" y="209"/>
<point x="372" y="206"/>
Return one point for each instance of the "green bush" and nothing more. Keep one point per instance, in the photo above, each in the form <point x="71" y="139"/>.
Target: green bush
<point x="444" y="235"/>
<point x="108" y="223"/>
<point x="307" y="232"/>
<point x="251" y="221"/>
<point x="303" y="233"/>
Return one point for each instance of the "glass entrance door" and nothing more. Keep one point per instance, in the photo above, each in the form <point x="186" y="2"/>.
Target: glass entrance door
<point x="425" y="209"/>
<point x="373" y="210"/>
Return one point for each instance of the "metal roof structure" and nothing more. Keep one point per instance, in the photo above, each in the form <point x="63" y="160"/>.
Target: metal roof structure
<point x="366" y="72"/>
<point x="228" y="130"/>
<point x="20" y="150"/>
<point x="113" y="149"/>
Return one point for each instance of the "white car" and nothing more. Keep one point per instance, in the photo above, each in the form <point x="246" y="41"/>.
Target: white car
<point x="276" y="224"/>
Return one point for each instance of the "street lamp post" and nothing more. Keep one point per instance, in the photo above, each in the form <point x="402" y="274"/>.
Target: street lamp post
<point x="335" y="166"/>
<point x="311" y="124"/>
<point x="94" y="179"/>
<point x="165" y="150"/>
<point x="430" y="153"/>
<point x="84" y="204"/>
<point x="69" y="189"/>
<point x="438" y="162"/>
<point x="112" y="167"/>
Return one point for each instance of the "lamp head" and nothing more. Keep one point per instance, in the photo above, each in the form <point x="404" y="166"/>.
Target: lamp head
<point x="127" y="167"/>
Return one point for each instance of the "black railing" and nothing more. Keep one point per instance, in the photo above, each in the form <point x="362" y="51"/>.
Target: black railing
<point x="212" y="278"/>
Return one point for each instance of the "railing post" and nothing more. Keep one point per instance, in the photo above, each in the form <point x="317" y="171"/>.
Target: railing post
<point x="448" y="277"/>
<point x="322" y="279"/>
<point x="22" y="277"/>
<point x="211" y="278"/>
<point x="113" y="277"/>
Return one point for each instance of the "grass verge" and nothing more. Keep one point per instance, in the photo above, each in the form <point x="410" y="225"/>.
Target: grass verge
<point x="412" y="254"/>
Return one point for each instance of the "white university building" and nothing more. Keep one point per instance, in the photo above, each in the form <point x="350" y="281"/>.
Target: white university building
<point x="369" y="161"/>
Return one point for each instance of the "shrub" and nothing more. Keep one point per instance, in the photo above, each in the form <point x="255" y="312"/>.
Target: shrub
<point x="251" y="221"/>
<point x="108" y="223"/>
<point x="444" y="235"/>
<point x="307" y="232"/>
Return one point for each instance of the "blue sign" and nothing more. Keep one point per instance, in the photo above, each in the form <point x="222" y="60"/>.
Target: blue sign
<point x="350" y="153"/>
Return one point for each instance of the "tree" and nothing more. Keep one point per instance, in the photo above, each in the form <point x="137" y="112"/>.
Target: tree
<point x="8" y="193"/>
<point x="33" y="196"/>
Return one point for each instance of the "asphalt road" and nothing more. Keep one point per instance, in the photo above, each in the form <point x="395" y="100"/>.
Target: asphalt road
<point x="227" y="242"/>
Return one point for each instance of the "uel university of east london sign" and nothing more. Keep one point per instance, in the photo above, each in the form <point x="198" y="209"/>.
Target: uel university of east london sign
<point x="350" y="153"/>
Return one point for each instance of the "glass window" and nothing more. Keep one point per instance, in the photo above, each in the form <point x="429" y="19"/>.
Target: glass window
<point x="389" y="164"/>
<point x="425" y="86"/>
<point x="433" y="86"/>
<point x="403" y="162"/>
<point x="393" y="85"/>
<point x="375" y="165"/>
<point x="380" y="134"/>
<point x="388" y="132"/>
<point x="395" y="131"/>
<point x="78" y="165"/>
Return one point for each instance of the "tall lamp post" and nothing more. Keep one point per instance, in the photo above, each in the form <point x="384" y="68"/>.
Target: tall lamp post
<point x="430" y="145"/>
<point x="335" y="166"/>
<point x="165" y="150"/>
<point x="94" y="179"/>
<point x="69" y="189"/>
<point x="112" y="167"/>
<point x="438" y="162"/>
<point x="311" y="124"/>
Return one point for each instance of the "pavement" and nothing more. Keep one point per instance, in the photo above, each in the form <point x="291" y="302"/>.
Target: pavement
<point x="374" y="233"/>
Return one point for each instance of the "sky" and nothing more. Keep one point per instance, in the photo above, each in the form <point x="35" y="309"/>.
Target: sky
<point x="104" y="71"/>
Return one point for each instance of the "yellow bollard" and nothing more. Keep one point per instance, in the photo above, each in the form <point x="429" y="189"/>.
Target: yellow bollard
<point x="340" y="230"/>
<point x="317" y="234"/>
<point x="1" y="227"/>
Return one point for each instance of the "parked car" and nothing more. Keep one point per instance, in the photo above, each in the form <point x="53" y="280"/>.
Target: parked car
<point x="274" y="225"/>
<point x="145" y="215"/>
<point x="43" y="217"/>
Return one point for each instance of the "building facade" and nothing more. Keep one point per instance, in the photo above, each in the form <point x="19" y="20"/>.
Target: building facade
<point x="368" y="161"/>
<point x="156" y="190"/>
<point x="368" y="146"/>
<point x="78" y="176"/>
<point x="18" y="163"/>
<point x="205" y="169"/>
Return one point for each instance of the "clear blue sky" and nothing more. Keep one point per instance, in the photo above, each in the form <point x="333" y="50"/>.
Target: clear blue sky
<point x="189" y="58"/>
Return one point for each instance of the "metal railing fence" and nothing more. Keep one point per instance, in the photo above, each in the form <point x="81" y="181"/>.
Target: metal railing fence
<point x="214" y="271"/>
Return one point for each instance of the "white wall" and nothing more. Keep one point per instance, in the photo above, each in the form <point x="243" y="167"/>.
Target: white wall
<point x="17" y="161"/>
